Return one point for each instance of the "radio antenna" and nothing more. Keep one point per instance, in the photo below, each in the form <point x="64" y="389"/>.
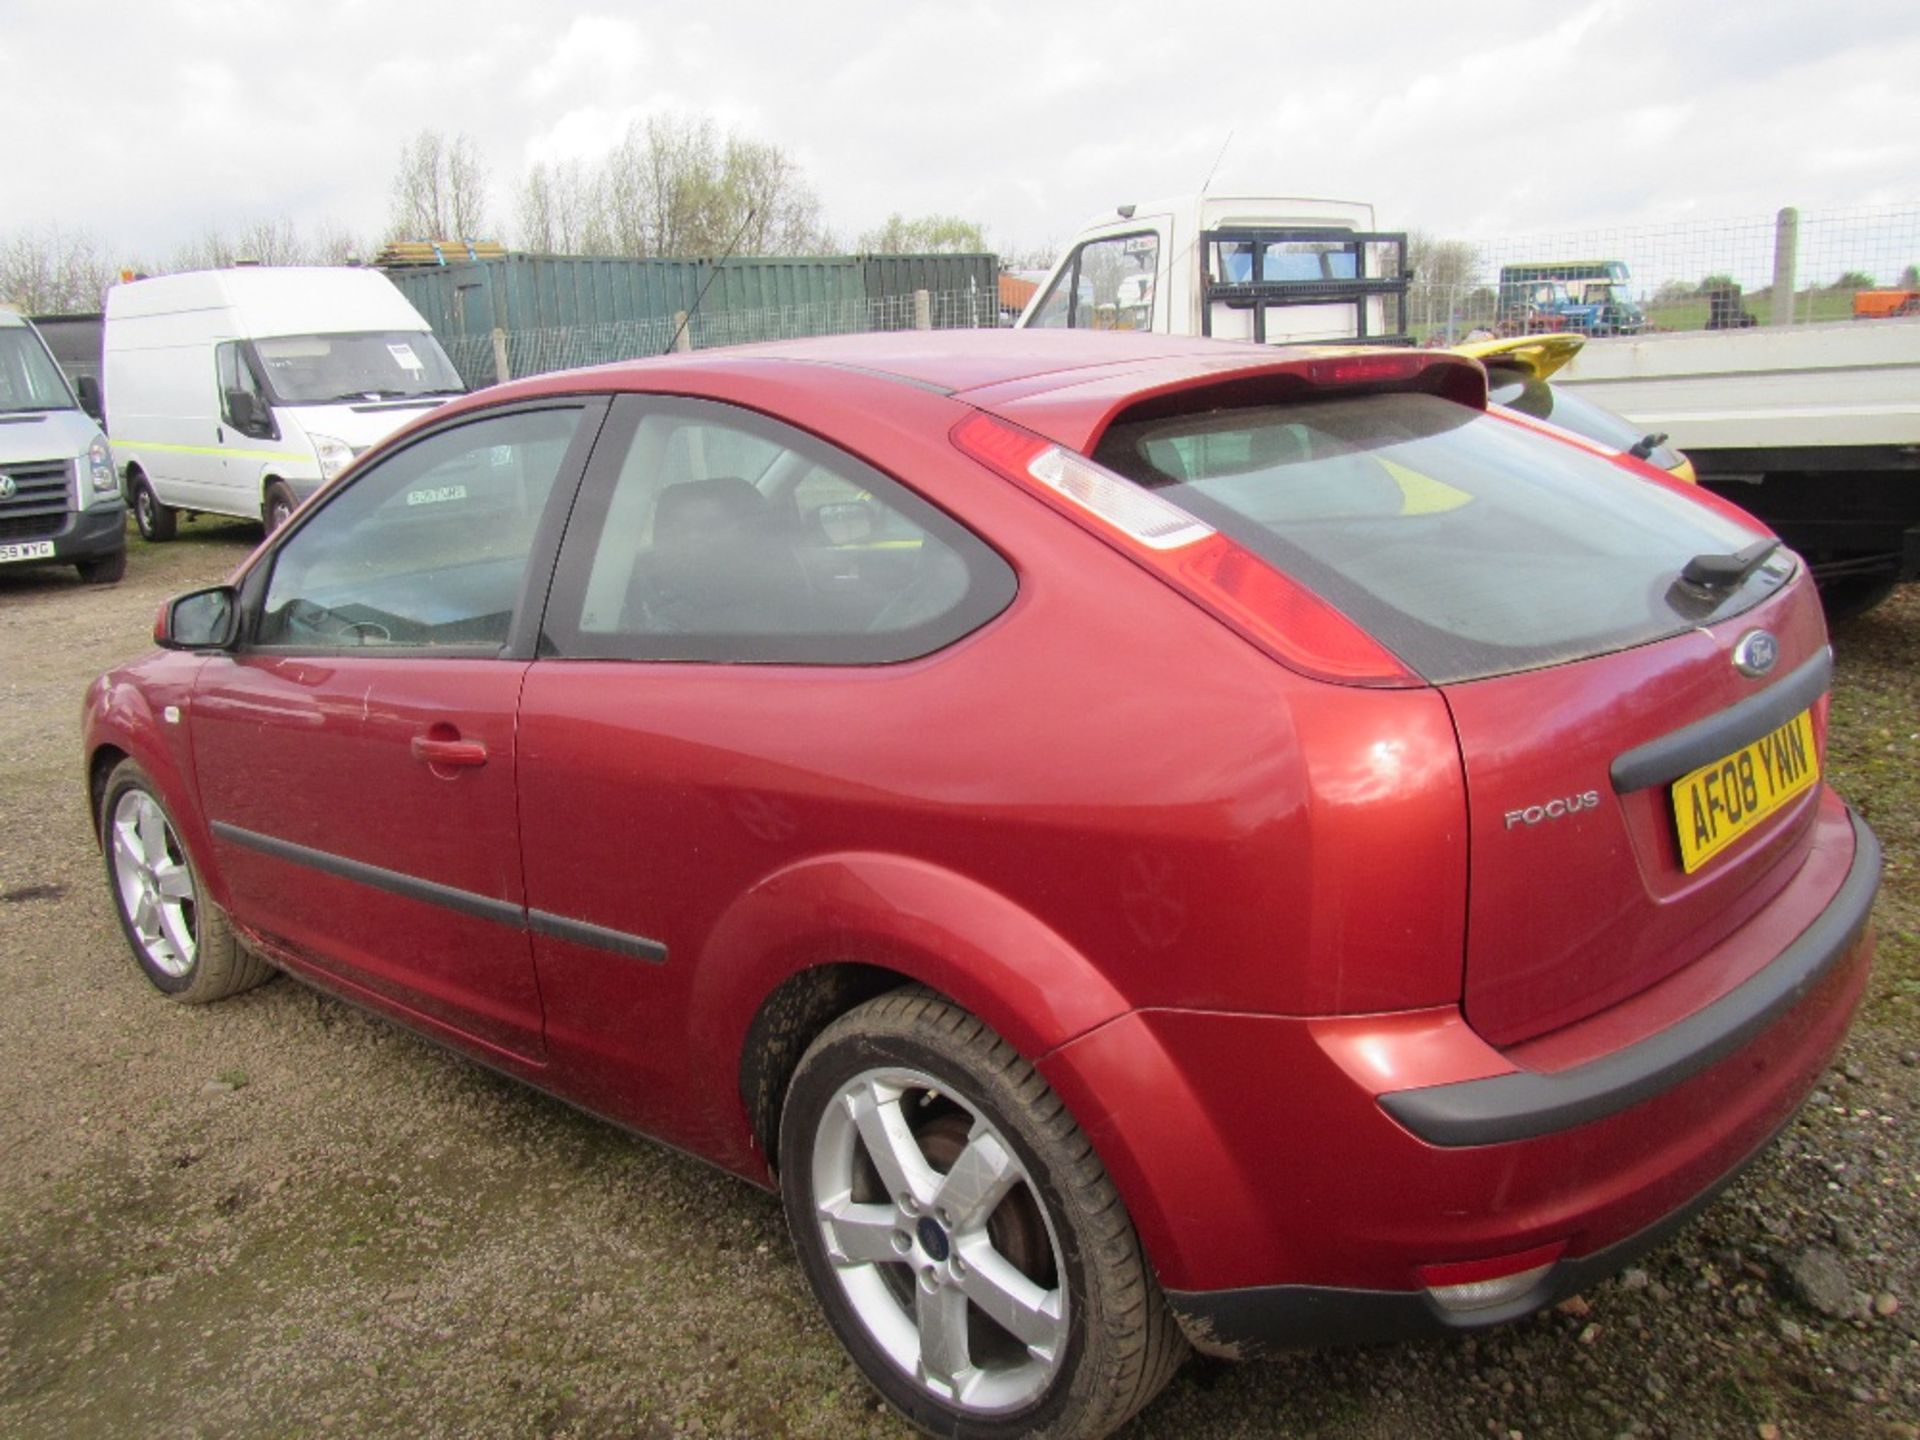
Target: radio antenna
<point x="1216" y="162"/>
<point x="687" y="319"/>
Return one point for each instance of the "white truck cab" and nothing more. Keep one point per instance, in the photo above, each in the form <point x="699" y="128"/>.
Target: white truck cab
<point x="59" y="501"/>
<point x="243" y="391"/>
<point x="1275" y="270"/>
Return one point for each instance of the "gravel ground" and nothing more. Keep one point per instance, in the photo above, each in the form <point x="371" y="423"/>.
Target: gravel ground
<point x="279" y="1217"/>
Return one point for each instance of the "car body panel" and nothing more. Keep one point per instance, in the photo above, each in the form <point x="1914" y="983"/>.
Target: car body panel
<point x="1575" y="913"/>
<point x="316" y="752"/>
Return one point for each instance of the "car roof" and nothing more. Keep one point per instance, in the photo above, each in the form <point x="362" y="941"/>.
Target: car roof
<point x="1065" y="384"/>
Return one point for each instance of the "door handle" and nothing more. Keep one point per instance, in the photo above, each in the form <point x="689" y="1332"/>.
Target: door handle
<point x="434" y="751"/>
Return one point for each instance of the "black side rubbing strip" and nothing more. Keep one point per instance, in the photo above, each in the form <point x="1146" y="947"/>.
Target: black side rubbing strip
<point x="1523" y="1104"/>
<point x="635" y="947"/>
<point x="483" y="907"/>
<point x="1661" y="761"/>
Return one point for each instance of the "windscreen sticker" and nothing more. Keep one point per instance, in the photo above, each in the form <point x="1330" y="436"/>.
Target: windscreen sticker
<point x="403" y="353"/>
<point x="438" y="495"/>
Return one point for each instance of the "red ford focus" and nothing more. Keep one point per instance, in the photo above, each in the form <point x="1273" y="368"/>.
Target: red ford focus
<point x="1143" y="842"/>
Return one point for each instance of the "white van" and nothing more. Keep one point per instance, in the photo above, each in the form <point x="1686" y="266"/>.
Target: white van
<point x="59" y="500"/>
<point x="243" y="391"/>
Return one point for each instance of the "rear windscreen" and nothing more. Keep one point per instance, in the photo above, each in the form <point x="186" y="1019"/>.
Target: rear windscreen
<point x="1467" y="545"/>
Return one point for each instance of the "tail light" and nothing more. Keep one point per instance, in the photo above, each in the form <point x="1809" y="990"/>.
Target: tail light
<point x="1230" y="582"/>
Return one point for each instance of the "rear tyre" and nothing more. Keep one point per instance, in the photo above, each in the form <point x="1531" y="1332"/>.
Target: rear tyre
<point x="1855" y="595"/>
<point x="959" y="1232"/>
<point x="106" y="570"/>
<point x="278" y="506"/>
<point x="181" y="939"/>
<point x="156" y="522"/>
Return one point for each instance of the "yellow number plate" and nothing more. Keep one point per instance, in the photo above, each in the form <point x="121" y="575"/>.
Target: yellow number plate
<point x="1718" y="803"/>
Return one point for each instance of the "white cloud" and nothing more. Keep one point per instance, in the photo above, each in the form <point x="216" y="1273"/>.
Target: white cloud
<point x="178" y="115"/>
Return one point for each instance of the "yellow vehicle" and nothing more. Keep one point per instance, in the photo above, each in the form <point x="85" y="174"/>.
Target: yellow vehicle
<point x="1517" y="371"/>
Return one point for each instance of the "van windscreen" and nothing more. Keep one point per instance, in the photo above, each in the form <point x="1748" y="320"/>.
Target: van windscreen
<point x="342" y="369"/>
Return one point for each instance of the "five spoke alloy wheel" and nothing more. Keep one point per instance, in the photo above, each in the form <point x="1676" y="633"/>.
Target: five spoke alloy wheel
<point x="154" y="882"/>
<point x="957" y="1274"/>
<point x="961" y="1235"/>
<point x="182" y="940"/>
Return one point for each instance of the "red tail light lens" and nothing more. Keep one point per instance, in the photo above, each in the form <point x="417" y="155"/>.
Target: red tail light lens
<point x="1282" y="617"/>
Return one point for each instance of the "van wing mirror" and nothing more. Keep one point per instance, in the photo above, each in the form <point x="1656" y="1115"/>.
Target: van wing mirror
<point x="87" y="392"/>
<point x="199" y="620"/>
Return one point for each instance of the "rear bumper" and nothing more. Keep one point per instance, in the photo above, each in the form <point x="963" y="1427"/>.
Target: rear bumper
<point x="1526" y="1103"/>
<point x="1278" y="1172"/>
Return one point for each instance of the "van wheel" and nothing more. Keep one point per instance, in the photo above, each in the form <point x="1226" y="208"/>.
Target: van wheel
<point x="107" y="570"/>
<point x="278" y="507"/>
<point x="157" y="522"/>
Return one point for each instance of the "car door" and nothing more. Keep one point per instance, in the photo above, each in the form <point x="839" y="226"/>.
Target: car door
<point x="357" y="752"/>
<point x="712" y="702"/>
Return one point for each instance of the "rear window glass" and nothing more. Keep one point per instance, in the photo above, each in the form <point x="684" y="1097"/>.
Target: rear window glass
<point x="1559" y="406"/>
<point x="1466" y="544"/>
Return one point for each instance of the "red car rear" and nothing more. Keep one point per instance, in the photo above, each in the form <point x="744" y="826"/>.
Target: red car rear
<point x="1136" y="838"/>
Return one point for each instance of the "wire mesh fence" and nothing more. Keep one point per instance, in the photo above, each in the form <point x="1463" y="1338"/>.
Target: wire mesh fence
<point x="1794" y="267"/>
<point x="536" y="351"/>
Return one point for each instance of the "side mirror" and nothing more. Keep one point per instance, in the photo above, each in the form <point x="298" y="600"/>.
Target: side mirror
<point x="87" y="391"/>
<point x="199" y="620"/>
<point x="249" y="414"/>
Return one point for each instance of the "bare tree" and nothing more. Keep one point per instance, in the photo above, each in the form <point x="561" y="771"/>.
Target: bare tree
<point x="440" y="189"/>
<point x="675" y="185"/>
<point x="1442" y="276"/>
<point x="925" y="235"/>
<point x="51" y="271"/>
<point x="555" y="208"/>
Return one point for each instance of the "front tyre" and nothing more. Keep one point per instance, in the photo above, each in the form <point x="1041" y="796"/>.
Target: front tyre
<point x="962" y="1237"/>
<point x="180" y="938"/>
<point x="156" y="522"/>
<point x="278" y="506"/>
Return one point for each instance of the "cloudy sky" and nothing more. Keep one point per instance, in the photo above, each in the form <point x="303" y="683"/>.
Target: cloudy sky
<point x="153" y="120"/>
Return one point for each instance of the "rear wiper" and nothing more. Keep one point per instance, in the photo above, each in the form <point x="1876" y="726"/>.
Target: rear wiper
<point x="1643" y="448"/>
<point x="1725" y="572"/>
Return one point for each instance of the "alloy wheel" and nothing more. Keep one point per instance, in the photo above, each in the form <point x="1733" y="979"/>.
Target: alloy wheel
<point x="155" y="883"/>
<point x="939" y="1242"/>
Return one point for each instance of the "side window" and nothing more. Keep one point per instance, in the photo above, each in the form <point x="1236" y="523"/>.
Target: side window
<point x="726" y="537"/>
<point x="1109" y="286"/>
<point x="236" y="375"/>
<point x="426" y="549"/>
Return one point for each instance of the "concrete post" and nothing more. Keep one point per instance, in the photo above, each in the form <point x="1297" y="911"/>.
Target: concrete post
<point x="502" y="371"/>
<point x="1786" y="258"/>
<point x="682" y="333"/>
<point x="922" y="310"/>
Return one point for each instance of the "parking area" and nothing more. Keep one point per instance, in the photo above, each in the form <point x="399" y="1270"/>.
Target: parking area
<point x="278" y="1216"/>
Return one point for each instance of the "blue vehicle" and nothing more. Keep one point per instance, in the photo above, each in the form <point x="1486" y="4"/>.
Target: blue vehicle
<point x="1595" y="293"/>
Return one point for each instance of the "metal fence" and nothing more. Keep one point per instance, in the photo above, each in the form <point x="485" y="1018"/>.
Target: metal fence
<point x="564" y="347"/>
<point x="1792" y="268"/>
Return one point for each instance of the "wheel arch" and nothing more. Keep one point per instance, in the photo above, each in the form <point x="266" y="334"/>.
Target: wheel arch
<point x="120" y="725"/>
<point x="811" y="942"/>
